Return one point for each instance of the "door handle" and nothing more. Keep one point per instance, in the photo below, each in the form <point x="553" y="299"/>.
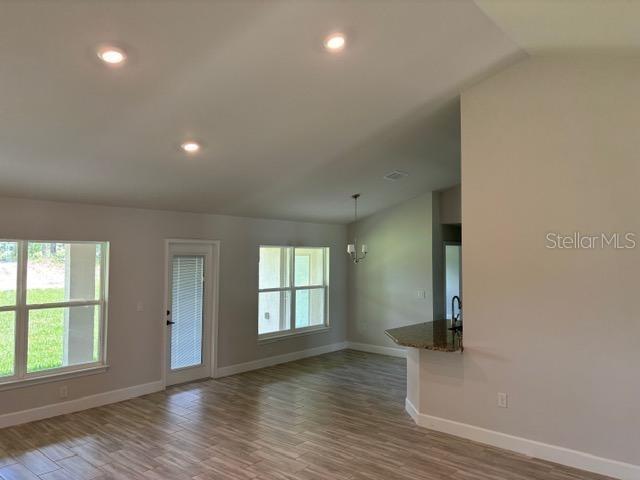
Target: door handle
<point x="169" y="322"/>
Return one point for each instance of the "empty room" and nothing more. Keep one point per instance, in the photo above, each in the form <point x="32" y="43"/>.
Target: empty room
<point x="319" y="239"/>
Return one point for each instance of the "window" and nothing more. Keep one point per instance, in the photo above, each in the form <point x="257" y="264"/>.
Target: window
<point x="52" y="307"/>
<point x="293" y="290"/>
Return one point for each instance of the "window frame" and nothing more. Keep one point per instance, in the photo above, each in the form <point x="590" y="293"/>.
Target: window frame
<point x="292" y="289"/>
<point x="21" y="309"/>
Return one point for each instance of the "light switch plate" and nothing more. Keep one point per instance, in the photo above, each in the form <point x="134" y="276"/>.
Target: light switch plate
<point x="502" y="400"/>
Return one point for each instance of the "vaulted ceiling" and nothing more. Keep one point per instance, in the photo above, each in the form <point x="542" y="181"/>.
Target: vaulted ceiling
<point x="569" y="26"/>
<point x="288" y="130"/>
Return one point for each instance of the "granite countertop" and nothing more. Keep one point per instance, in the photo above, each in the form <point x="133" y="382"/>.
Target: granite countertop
<point x="430" y="335"/>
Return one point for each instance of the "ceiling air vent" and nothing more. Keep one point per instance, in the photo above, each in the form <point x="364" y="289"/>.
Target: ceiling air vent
<point x="395" y="175"/>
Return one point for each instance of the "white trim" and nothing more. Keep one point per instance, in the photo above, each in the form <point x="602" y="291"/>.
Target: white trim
<point x="215" y="311"/>
<point x="22" y="322"/>
<point x="278" y="359"/>
<point x="284" y="289"/>
<point x="68" y="304"/>
<point x="105" y="251"/>
<point x="412" y="411"/>
<point x="84" y="403"/>
<point x="366" y="347"/>
<point x="531" y="448"/>
<point x="299" y="332"/>
<point x="54" y="375"/>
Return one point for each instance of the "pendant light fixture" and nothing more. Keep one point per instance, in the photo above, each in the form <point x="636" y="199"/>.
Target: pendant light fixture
<point x="352" y="248"/>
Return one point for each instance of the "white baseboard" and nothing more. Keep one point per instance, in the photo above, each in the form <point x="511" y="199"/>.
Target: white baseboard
<point x="70" y="406"/>
<point x="114" y="396"/>
<point x="278" y="359"/>
<point x="531" y="448"/>
<point x="366" y="347"/>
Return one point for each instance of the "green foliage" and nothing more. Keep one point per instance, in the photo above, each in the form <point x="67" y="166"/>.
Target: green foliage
<point x="51" y="252"/>
<point x="6" y="343"/>
<point x="46" y="337"/>
<point x="8" y="252"/>
<point x="46" y="333"/>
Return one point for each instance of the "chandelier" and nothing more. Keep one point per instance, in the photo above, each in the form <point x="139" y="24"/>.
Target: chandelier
<point x="352" y="248"/>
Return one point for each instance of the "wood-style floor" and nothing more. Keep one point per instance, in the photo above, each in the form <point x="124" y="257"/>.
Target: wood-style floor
<point x="337" y="416"/>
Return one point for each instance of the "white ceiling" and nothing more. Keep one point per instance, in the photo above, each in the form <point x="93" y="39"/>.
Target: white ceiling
<point x="554" y="26"/>
<point x="289" y="130"/>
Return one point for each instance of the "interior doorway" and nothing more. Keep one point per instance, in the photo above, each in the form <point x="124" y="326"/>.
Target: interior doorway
<point x="452" y="274"/>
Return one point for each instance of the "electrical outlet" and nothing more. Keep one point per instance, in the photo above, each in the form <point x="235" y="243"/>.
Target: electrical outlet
<point x="139" y="307"/>
<point x="63" y="392"/>
<point x="502" y="400"/>
<point x="267" y="315"/>
<point x="422" y="294"/>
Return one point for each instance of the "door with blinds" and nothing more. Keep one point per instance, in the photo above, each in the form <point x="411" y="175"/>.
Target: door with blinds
<point x="189" y="308"/>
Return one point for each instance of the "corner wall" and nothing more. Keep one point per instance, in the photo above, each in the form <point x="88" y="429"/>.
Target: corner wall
<point x="549" y="145"/>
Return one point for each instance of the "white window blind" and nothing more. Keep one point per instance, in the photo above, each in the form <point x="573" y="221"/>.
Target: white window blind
<point x="187" y="310"/>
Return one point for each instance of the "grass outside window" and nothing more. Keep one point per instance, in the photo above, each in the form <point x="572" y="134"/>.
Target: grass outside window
<point x="46" y="335"/>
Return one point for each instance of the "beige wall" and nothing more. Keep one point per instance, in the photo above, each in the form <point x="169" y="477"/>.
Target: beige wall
<point x="137" y="275"/>
<point x="549" y="145"/>
<point x="450" y="209"/>
<point x="383" y="289"/>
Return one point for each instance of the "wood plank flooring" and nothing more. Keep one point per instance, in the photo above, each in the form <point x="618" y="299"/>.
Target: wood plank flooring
<point x="337" y="416"/>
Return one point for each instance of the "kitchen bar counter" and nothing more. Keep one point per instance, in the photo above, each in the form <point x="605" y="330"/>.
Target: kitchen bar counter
<point x="429" y="335"/>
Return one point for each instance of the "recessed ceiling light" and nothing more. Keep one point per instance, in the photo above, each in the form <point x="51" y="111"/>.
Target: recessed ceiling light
<point x="190" y="147"/>
<point x="112" y="55"/>
<point x="335" y="42"/>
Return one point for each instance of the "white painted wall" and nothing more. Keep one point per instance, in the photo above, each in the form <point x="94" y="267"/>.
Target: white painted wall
<point x="137" y="274"/>
<point x="450" y="209"/>
<point x="550" y="144"/>
<point x="383" y="289"/>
